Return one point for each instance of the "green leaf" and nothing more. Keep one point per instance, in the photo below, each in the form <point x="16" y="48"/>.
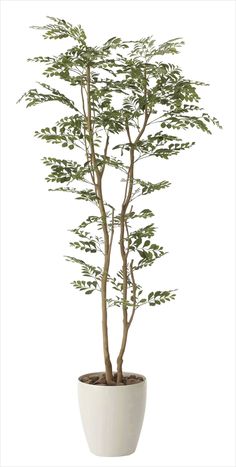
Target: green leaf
<point x="34" y="97"/>
<point x="148" y="187"/>
<point x="67" y="132"/>
<point x="87" y="287"/>
<point x="159" y="297"/>
<point x="60" y="29"/>
<point x="63" y="170"/>
<point x="88" y="270"/>
<point x="86" y="241"/>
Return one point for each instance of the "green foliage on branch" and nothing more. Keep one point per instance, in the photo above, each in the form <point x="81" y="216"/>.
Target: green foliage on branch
<point x="34" y="97"/>
<point x="139" y="241"/>
<point x="86" y="242"/>
<point x="157" y="298"/>
<point x="61" y="29"/>
<point x="149" y="187"/>
<point x="86" y="286"/>
<point x="63" y="170"/>
<point x="67" y="132"/>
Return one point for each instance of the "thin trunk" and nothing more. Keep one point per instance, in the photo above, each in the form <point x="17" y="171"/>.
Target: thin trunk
<point x="126" y="327"/>
<point x="124" y="253"/>
<point x="120" y="356"/>
<point x="106" y="265"/>
<point x="107" y="252"/>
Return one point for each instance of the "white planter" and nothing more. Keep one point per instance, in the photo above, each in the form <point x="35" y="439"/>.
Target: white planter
<point x="112" y="416"/>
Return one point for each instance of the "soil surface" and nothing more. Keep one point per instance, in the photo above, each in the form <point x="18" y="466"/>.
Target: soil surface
<point x="100" y="379"/>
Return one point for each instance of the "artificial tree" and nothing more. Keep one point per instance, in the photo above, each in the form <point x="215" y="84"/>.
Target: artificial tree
<point x="127" y="94"/>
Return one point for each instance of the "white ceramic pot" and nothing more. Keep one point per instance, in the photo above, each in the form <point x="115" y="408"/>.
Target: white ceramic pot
<point x="112" y="416"/>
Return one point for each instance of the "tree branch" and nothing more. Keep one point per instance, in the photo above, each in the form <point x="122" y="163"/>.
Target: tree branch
<point x="105" y="152"/>
<point x="125" y="204"/>
<point x="134" y="289"/>
<point x="107" y="247"/>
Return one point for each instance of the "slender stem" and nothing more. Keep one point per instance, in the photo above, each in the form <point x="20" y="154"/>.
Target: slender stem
<point x="127" y="235"/>
<point x="112" y="230"/>
<point x="124" y="252"/>
<point x="105" y="152"/>
<point x="85" y="140"/>
<point x="134" y="289"/>
<point x="128" y="132"/>
<point x="107" y="248"/>
<point x="82" y="97"/>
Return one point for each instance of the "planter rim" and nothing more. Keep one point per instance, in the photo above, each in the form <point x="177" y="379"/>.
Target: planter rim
<point x="126" y="373"/>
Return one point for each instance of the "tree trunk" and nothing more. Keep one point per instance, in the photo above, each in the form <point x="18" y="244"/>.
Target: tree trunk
<point x="125" y="204"/>
<point x="107" y="252"/>
<point x="121" y="354"/>
<point x="124" y="254"/>
<point x="107" y="360"/>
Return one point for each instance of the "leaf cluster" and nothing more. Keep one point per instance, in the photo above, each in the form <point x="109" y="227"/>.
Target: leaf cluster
<point x="64" y="170"/>
<point x="34" y="97"/>
<point x="149" y="187"/>
<point x="61" y="29"/>
<point x="157" y="298"/>
<point x="66" y="132"/>
<point x="86" y="286"/>
<point x="139" y="241"/>
<point x="86" y="241"/>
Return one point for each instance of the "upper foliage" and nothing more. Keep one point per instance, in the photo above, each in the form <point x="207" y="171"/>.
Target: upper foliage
<point x="134" y="67"/>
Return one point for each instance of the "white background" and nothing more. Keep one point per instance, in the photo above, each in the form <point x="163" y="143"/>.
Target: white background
<point x="50" y="333"/>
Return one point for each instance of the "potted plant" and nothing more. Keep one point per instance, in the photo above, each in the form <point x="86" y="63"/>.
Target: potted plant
<point x="129" y="104"/>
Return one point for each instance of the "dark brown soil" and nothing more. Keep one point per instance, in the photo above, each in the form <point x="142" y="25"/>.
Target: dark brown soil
<point x="100" y="379"/>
